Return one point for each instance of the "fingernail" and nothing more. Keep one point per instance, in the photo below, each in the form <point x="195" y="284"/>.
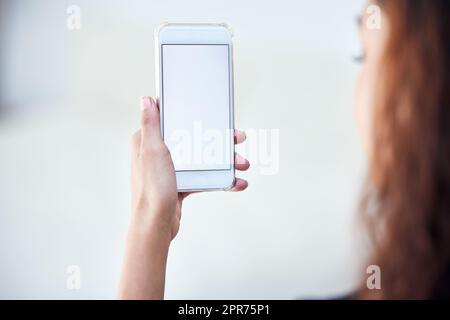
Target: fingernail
<point x="145" y="103"/>
<point x="152" y="102"/>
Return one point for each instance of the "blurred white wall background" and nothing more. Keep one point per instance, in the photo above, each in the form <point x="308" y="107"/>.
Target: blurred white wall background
<point x="69" y="103"/>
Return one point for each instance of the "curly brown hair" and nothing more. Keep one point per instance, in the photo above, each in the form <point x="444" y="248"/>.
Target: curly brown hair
<point x="406" y="202"/>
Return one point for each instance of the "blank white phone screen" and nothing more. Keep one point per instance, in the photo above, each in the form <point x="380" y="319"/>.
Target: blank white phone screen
<point x="196" y="106"/>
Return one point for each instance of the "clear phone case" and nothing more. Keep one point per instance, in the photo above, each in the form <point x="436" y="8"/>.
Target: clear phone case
<point x="158" y="85"/>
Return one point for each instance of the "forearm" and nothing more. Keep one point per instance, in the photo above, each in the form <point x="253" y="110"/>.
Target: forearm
<point x="144" y="268"/>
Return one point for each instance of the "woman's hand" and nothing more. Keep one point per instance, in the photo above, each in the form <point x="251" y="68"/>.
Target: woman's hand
<point x="156" y="207"/>
<point x="154" y="192"/>
<point x="153" y="186"/>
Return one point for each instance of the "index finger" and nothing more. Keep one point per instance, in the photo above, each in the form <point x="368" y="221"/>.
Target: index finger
<point x="239" y="136"/>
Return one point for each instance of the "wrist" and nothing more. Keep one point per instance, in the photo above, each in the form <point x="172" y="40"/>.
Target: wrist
<point x="148" y="224"/>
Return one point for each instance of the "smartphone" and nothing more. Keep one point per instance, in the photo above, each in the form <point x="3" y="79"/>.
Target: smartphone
<point x="194" y="65"/>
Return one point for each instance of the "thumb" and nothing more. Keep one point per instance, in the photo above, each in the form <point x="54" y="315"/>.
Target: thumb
<point x="150" y="122"/>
